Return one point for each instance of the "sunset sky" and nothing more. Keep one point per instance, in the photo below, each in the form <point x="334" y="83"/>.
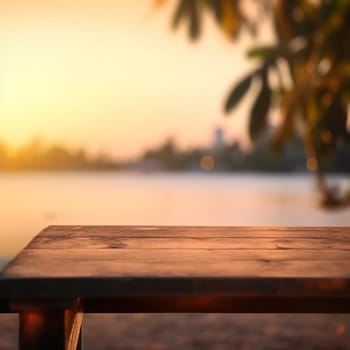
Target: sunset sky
<point x="111" y="75"/>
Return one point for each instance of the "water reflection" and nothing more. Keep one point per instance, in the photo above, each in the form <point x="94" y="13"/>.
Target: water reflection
<point x="31" y="201"/>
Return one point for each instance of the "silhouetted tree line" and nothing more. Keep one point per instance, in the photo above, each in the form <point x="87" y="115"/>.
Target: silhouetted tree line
<point x="33" y="156"/>
<point x="231" y="158"/>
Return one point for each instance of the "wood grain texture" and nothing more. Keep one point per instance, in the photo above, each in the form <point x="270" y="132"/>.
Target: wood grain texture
<point x="286" y="263"/>
<point x="47" y="263"/>
<point x="219" y="243"/>
<point x="54" y="232"/>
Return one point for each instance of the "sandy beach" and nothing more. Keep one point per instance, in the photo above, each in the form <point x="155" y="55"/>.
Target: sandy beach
<point x="204" y="331"/>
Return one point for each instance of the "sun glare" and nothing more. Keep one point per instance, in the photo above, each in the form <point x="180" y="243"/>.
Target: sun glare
<point x="111" y="76"/>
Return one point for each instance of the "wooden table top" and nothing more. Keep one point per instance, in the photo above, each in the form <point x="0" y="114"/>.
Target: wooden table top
<point x="131" y="261"/>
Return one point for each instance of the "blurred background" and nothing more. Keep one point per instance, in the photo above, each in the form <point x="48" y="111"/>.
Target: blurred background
<point x="110" y="116"/>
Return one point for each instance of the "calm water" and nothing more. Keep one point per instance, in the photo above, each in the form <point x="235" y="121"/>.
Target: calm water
<point x="31" y="201"/>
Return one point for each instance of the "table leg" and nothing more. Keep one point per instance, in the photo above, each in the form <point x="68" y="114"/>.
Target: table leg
<point x="52" y="329"/>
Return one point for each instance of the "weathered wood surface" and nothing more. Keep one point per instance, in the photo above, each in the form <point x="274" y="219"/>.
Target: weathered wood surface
<point x="106" y="233"/>
<point x="250" y="264"/>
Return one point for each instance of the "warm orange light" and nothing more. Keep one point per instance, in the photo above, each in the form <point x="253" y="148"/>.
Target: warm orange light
<point x="207" y="162"/>
<point x="93" y="73"/>
<point x="326" y="100"/>
<point x="312" y="164"/>
<point x="327" y="137"/>
<point x="34" y="321"/>
<point x="340" y="329"/>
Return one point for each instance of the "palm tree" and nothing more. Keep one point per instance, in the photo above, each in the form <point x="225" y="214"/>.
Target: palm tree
<point x="312" y="50"/>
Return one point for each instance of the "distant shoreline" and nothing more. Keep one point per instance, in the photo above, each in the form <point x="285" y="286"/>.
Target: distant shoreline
<point x="168" y="171"/>
<point x="167" y="156"/>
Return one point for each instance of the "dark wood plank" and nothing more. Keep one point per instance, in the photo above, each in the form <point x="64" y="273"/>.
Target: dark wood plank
<point x="217" y="304"/>
<point x="5" y="306"/>
<point x="141" y="237"/>
<point x="138" y="261"/>
<point x="214" y="303"/>
<point x="111" y="232"/>
<point x="178" y="262"/>
<point x="109" y="240"/>
<point x="102" y="242"/>
<point x="113" y="272"/>
<point x="173" y="287"/>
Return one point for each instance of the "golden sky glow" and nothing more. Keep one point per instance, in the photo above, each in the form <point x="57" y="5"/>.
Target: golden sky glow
<point x="110" y="75"/>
